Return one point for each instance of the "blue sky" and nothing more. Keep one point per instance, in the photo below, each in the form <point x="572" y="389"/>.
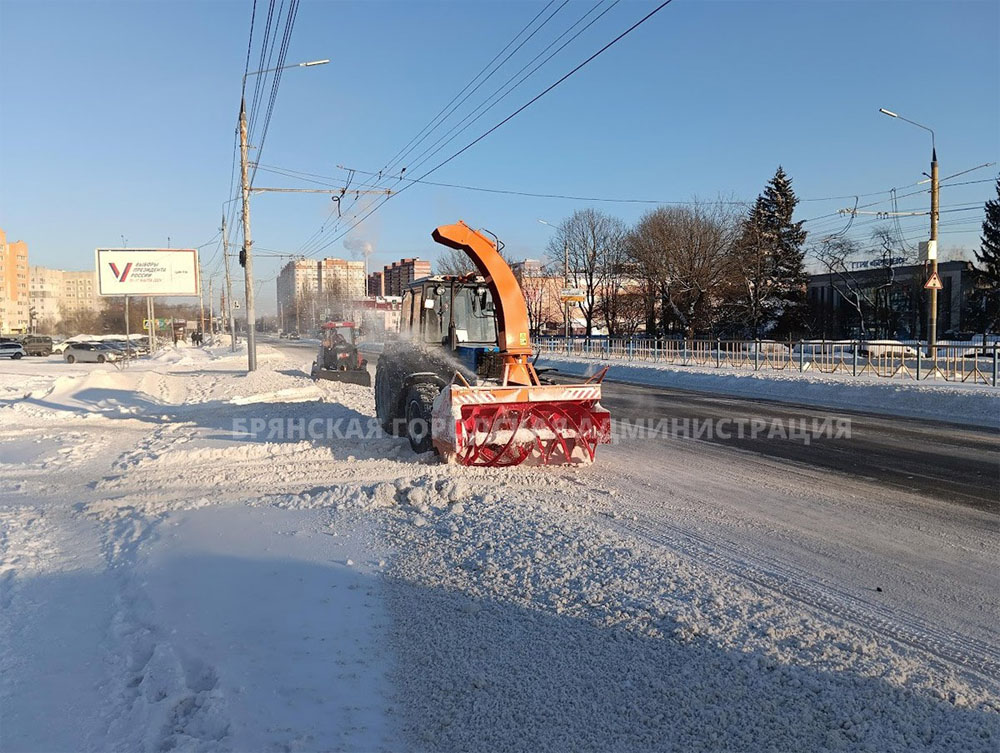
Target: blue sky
<point x="117" y="118"/>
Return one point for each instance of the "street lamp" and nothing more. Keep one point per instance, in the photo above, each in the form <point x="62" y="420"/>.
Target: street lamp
<point x="934" y="280"/>
<point x="565" y="280"/>
<point x="245" y="256"/>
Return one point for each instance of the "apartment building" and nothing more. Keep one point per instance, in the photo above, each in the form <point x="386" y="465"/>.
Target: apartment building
<point x="57" y="293"/>
<point x="398" y="275"/>
<point x="340" y="279"/>
<point x="376" y="284"/>
<point x="297" y="284"/>
<point x="14" y="303"/>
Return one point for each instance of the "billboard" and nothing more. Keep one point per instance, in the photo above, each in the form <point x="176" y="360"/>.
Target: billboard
<point x="147" y="271"/>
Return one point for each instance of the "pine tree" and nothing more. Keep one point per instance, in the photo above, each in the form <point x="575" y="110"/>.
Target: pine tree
<point x="988" y="258"/>
<point x="772" y="262"/>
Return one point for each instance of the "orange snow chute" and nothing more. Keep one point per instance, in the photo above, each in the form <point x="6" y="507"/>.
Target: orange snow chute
<point x="517" y="419"/>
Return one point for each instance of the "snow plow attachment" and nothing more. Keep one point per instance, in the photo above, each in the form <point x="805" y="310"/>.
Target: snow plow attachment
<point x="505" y="425"/>
<point x="353" y="376"/>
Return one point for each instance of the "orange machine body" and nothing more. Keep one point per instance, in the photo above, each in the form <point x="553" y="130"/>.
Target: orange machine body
<point x="513" y="330"/>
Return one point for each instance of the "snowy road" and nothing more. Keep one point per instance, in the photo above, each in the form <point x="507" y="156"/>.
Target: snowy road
<point x="170" y="585"/>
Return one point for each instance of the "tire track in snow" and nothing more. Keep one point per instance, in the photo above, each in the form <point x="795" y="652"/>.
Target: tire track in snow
<point x="962" y="652"/>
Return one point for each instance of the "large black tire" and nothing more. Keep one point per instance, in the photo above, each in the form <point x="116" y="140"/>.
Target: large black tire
<point x="101" y="359"/>
<point x="70" y="359"/>
<point x="385" y="399"/>
<point x="418" y="406"/>
<point x="16" y="356"/>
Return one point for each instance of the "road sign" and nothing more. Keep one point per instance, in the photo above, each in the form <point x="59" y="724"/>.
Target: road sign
<point x="572" y="295"/>
<point x="160" y="323"/>
<point x="934" y="283"/>
<point x="147" y="271"/>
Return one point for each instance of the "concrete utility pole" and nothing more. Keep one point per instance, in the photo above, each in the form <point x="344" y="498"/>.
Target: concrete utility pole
<point x="932" y="248"/>
<point x="211" y="311"/>
<point x="247" y="242"/>
<point x="933" y="241"/>
<point x="566" y="284"/>
<point x="229" y="287"/>
<point x="201" y="299"/>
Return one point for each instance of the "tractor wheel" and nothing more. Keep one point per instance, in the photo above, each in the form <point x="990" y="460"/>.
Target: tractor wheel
<point x="70" y="359"/>
<point x="385" y="400"/>
<point x="419" y="403"/>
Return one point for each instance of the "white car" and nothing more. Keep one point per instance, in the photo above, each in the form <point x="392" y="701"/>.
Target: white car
<point x="91" y="353"/>
<point x="886" y="349"/>
<point x="12" y="350"/>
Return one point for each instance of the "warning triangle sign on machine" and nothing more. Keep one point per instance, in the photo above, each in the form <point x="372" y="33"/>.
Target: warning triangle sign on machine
<point x="934" y="283"/>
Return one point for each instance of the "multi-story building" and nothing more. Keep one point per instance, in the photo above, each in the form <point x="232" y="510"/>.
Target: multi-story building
<point x="398" y="275"/>
<point x="45" y="293"/>
<point x="376" y="284"/>
<point x="341" y="280"/>
<point x="297" y="285"/>
<point x="80" y="291"/>
<point x="56" y="294"/>
<point x="14" y="304"/>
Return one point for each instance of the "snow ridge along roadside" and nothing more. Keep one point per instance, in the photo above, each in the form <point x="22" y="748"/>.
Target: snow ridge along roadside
<point x="968" y="404"/>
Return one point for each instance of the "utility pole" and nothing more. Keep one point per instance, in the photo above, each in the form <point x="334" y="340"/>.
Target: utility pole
<point x="247" y="242"/>
<point x="128" y="339"/>
<point x="211" y="311"/>
<point x="566" y="285"/>
<point x="933" y="241"/>
<point x="201" y="299"/>
<point x="150" y="315"/>
<point x="932" y="251"/>
<point x="229" y="287"/>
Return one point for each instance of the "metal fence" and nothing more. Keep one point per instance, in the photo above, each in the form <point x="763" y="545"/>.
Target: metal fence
<point x="950" y="362"/>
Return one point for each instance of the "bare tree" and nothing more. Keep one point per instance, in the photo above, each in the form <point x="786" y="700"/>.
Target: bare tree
<point x="866" y="284"/>
<point x="592" y="241"/>
<point x="454" y="262"/>
<point x="685" y="254"/>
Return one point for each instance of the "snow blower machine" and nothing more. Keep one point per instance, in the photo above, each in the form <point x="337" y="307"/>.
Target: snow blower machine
<point x="338" y="359"/>
<point x="460" y="378"/>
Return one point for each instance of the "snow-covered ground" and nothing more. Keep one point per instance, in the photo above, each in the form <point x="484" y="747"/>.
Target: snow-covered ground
<point x="170" y="584"/>
<point x="955" y="402"/>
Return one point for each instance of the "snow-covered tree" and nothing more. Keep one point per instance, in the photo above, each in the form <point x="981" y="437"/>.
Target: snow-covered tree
<point x="770" y="258"/>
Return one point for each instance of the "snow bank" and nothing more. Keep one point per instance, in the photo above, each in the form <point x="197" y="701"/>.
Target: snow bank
<point x="963" y="403"/>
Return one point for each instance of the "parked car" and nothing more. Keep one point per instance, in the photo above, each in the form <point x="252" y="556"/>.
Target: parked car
<point x="11" y="349"/>
<point x="91" y="353"/>
<point x="37" y="345"/>
<point x="886" y="349"/>
<point x="293" y="335"/>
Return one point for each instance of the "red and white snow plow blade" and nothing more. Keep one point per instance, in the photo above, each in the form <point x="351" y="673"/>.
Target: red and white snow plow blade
<point x="551" y="424"/>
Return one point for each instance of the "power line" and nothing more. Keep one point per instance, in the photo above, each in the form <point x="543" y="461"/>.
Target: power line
<point x="510" y="117"/>
<point x="330" y="181"/>
<point x="454" y="101"/>
<point x="498" y="95"/>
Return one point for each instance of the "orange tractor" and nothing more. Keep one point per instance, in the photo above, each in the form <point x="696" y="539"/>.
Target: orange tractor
<point x="460" y="379"/>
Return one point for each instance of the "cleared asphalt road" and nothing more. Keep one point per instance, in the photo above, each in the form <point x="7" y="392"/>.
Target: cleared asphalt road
<point x="944" y="461"/>
<point x="947" y="462"/>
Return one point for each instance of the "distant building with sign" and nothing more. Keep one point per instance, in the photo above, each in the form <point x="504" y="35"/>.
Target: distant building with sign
<point x="892" y="300"/>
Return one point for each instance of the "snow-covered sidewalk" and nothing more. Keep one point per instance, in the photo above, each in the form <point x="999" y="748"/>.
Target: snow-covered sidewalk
<point x="955" y="402"/>
<point x="173" y="581"/>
